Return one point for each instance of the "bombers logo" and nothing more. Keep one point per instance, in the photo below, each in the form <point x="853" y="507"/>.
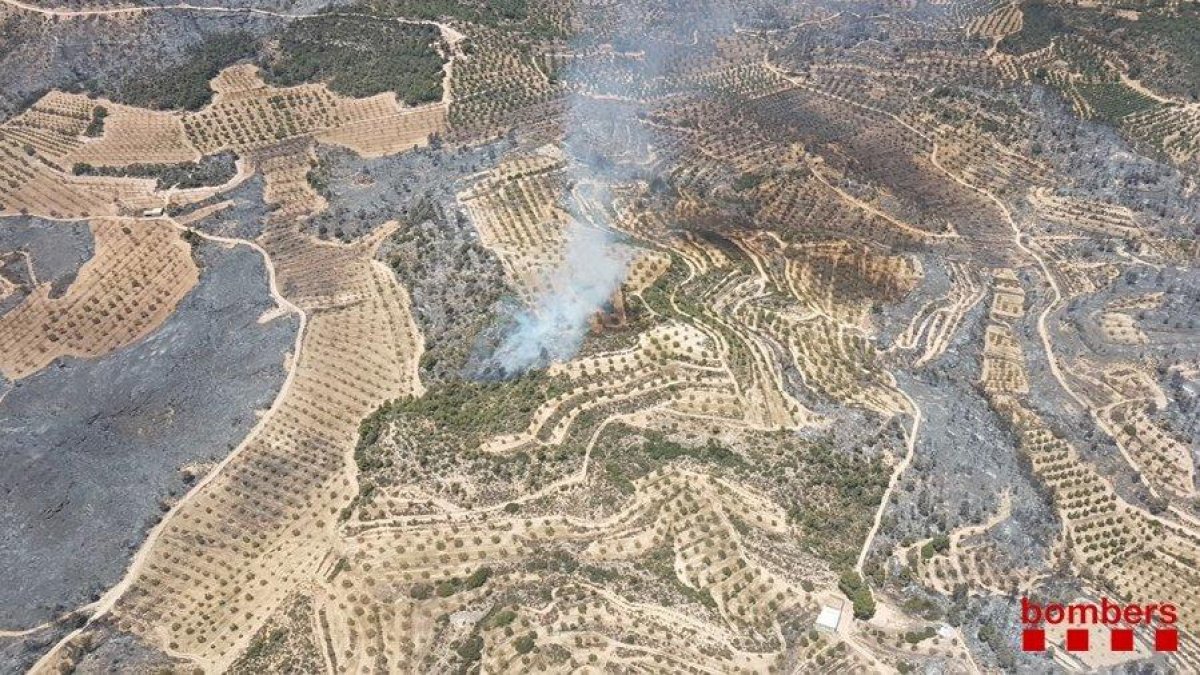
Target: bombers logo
<point x="1119" y="618"/>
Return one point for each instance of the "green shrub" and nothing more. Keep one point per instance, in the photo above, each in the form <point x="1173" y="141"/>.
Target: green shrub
<point x="96" y="126"/>
<point x="1040" y="24"/>
<point x="185" y="86"/>
<point x="525" y="643"/>
<point x="939" y="544"/>
<point x="501" y="619"/>
<point x="361" y="56"/>
<point x="470" y="650"/>
<point x="851" y="583"/>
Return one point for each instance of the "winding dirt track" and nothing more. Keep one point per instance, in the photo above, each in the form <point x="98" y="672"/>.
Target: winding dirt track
<point x="914" y="429"/>
<point x="106" y="604"/>
<point x="1183" y="520"/>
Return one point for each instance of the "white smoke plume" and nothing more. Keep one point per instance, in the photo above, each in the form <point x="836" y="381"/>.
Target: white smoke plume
<point x="554" y="326"/>
<point x="606" y="143"/>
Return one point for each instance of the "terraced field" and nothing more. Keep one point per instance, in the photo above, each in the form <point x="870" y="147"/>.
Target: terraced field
<point x="666" y="337"/>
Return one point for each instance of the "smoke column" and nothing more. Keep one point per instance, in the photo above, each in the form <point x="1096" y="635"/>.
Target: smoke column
<point x="555" y="325"/>
<point x="606" y="143"/>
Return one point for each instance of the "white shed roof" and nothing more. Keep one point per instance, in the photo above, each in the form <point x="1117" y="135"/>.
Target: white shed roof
<point x="829" y="618"/>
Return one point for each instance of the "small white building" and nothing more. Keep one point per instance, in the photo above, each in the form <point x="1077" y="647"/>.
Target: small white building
<point x="829" y="618"/>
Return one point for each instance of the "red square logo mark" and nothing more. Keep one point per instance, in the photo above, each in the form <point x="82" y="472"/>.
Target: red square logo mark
<point x="1033" y="640"/>
<point x="1122" y="639"/>
<point x="1077" y="639"/>
<point x="1166" y="640"/>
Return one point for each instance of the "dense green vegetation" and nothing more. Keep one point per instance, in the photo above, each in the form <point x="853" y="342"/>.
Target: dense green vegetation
<point x="211" y="170"/>
<point x="655" y="451"/>
<point x="1178" y="36"/>
<point x="285" y="645"/>
<point x="264" y="644"/>
<point x="470" y="650"/>
<point x="499" y="619"/>
<point x="661" y="563"/>
<point x="454" y="585"/>
<point x="998" y="641"/>
<point x="836" y="497"/>
<point x="918" y="636"/>
<point x="658" y="449"/>
<point x="748" y="181"/>
<point x="829" y="494"/>
<point x="1161" y="48"/>
<point x="851" y="583"/>
<point x="455" y="415"/>
<point x="924" y="607"/>
<point x="361" y="56"/>
<point x="525" y="643"/>
<point x="471" y="407"/>
<point x="939" y="544"/>
<point x="96" y="126"/>
<point x="185" y="86"/>
<point x="489" y="12"/>
<point x="1112" y="100"/>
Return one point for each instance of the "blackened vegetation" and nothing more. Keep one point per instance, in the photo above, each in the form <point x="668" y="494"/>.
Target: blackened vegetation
<point x="185" y="86"/>
<point x="168" y="401"/>
<point x="56" y="252"/>
<point x="1161" y="48"/>
<point x="209" y="171"/>
<point x="455" y="284"/>
<point x="361" y="56"/>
